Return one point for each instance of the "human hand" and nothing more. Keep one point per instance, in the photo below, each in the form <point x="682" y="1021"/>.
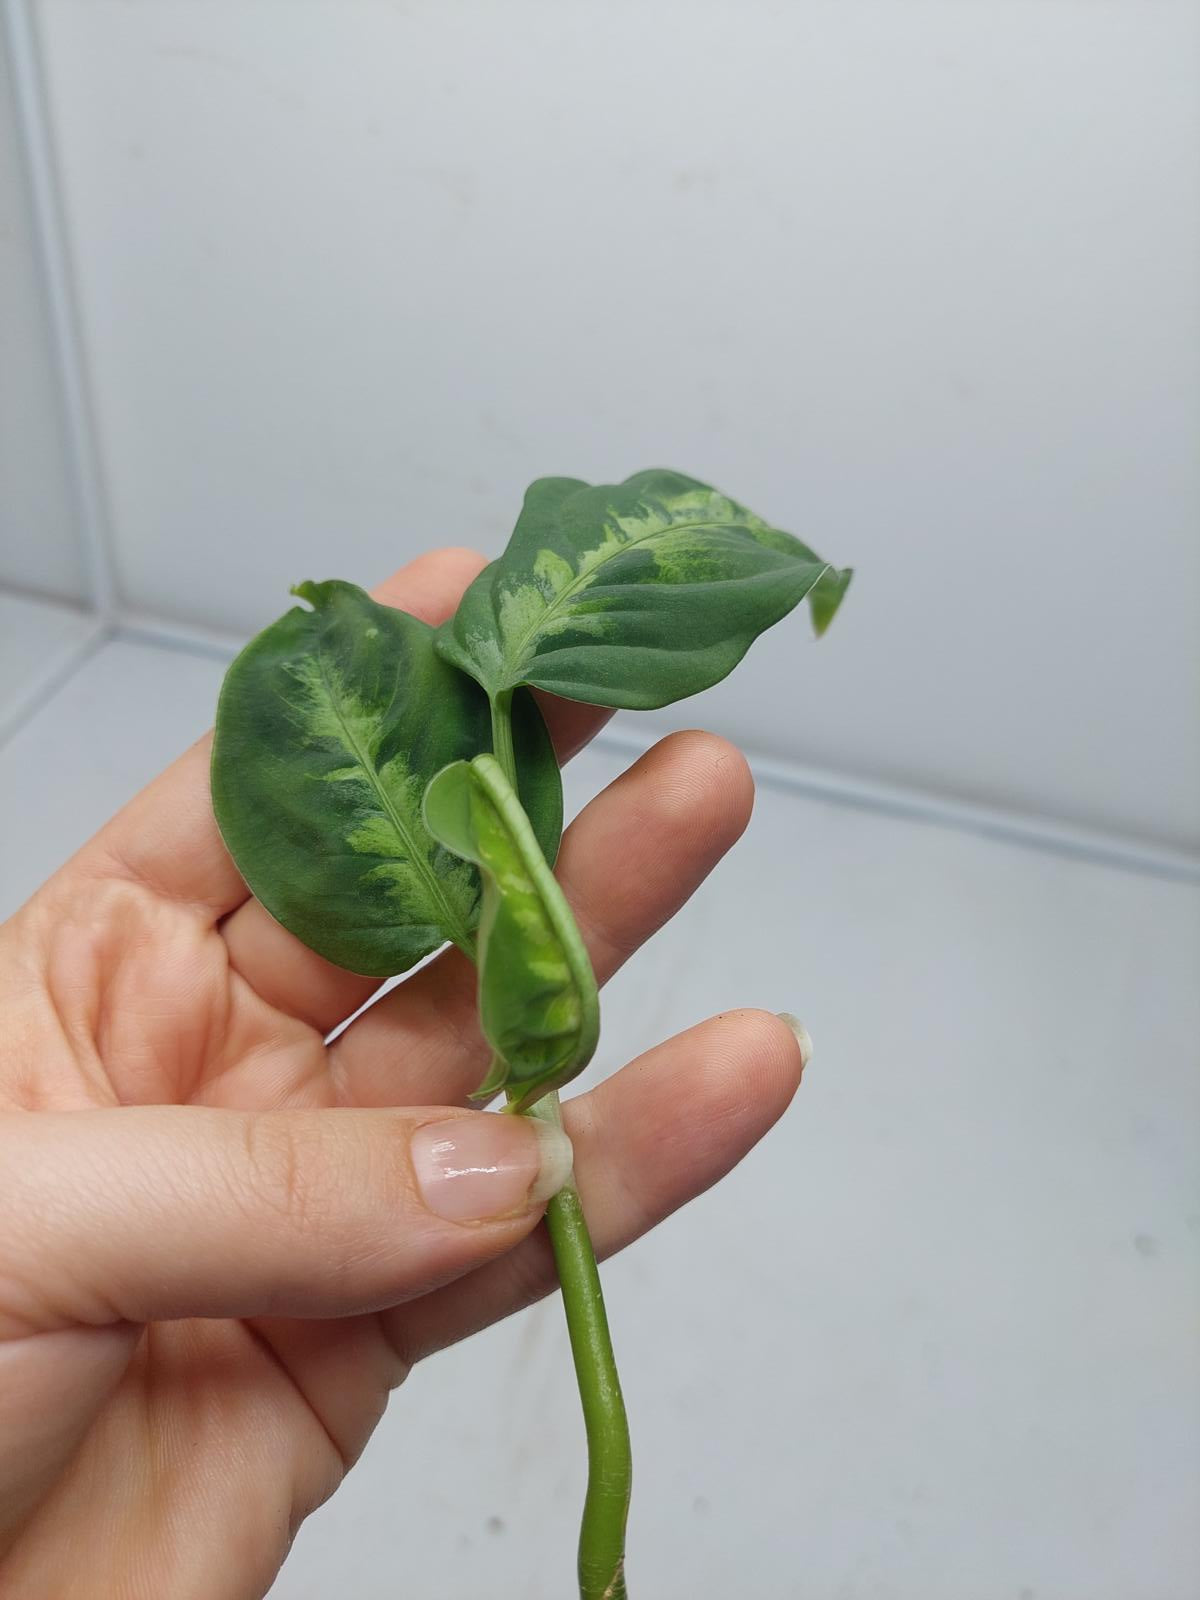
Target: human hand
<point x="221" y="1244"/>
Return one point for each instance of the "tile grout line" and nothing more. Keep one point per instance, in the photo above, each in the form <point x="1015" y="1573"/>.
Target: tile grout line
<point x="1072" y="840"/>
<point x="47" y="684"/>
<point x="1025" y="829"/>
<point x="54" y="259"/>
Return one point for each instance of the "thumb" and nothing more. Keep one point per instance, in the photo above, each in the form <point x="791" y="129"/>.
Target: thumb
<point x="148" y="1213"/>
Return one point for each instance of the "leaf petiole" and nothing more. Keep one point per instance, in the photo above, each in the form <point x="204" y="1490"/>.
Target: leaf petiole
<point x="502" y="734"/>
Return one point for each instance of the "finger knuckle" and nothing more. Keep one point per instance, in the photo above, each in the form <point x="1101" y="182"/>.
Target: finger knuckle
<point x="286" y="1173"/>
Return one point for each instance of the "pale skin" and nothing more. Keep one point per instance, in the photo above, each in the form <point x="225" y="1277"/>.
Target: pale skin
<point x="217" y="1258"/>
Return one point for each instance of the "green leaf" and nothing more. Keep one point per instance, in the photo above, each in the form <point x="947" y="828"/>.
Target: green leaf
<point x="329" y="726"/>
<point x="537" y="993"/>
<point x="632" y="594"/>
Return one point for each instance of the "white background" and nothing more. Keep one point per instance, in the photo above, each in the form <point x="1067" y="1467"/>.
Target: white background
<point x="916" y="280"/>
<point x="39" y="545"/>
<point x="303" y="288"/>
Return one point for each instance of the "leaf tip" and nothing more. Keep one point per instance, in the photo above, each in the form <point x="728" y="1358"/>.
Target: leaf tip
<point x="497" y="1077"/>
<point x="826" y="596"/>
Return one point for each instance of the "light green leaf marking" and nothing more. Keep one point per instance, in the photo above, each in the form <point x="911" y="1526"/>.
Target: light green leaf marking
<point x="330" y="714"/>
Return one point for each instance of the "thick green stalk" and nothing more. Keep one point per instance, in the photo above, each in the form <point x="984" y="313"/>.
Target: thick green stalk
<point x="610" y="1469"/>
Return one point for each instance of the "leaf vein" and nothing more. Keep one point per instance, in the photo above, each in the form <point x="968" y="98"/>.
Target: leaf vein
<point x="450" y="920"/>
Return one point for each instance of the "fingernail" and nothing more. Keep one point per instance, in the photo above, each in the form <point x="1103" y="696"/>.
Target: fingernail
<point x="802" y="1037"/>
<point x="480" y="1167"/>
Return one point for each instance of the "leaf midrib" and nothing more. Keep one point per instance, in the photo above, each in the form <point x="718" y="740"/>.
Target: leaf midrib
<point x="453" y="929"/>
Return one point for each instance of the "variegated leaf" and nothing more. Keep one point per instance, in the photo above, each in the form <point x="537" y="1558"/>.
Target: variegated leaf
<point x="329" y="727"/>
<point x="632" y="594"/>
<point x="537" y="993"/>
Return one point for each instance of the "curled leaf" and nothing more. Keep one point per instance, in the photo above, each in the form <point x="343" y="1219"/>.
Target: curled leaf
<point x="537" y="994"/>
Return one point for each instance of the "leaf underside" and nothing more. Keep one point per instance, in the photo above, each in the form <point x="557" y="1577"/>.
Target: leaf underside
<point x="537" y="994"/>
<point x="633" y="594"/>
<point x="329" y="727"/>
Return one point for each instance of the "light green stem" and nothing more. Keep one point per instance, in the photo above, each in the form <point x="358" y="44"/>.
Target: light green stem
<point x="610" y="1469"/>
<point x="610" y="1466"/>
<point x="502" y="736"/>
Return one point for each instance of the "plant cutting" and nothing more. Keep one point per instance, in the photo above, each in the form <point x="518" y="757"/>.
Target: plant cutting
<point x="387" y="788"/>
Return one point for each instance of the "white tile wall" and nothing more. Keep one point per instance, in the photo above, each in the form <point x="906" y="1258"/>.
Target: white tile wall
<point x="916" y="280"/>
<point x="39" y="546"/>
<point x="40" y="643"/>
